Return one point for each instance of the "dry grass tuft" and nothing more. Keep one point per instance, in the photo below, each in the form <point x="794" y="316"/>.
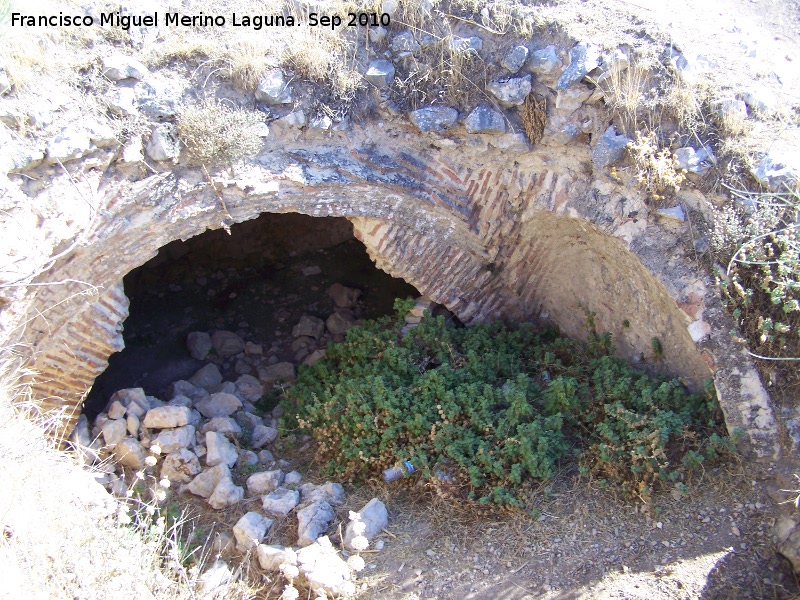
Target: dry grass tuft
<point x="534" y="118"/>
<point x="214" y="133"/>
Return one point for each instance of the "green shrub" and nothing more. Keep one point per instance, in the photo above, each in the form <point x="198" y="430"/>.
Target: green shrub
<point x="481" y="410"/>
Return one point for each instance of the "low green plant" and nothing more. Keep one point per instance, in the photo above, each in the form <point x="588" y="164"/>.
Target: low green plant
<point x="761" y="285"/>
<point x="480" y="411"/>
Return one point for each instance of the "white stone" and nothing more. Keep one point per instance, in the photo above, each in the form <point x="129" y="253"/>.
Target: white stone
<point x="376" y="518"/>
<point x="131" y="453"/>
<point x="263" y="435"/>
<point x="171" y="440"/>
<point x="280" y="502"/>
<point x="223" y="425"/>
<point x="331" y="492"/>
<point x="219" y="450"/>
<point x="675" y="212"/>
<point x="343" y="296"/>
<point x="250" y="530"/>
<point x="122" y="102"/>
<point x="204" y="484"/>
<point x="323" y="567"/>
<point x="218" y="405"/>
<point x="511" y="91"/>
<point x="265" y="482"/>
<point x="118" y="66"/>
<point x="250" y="388"/>
<point x="114" y="431"/>
<point x="699" y="330"/>
<point x="272" y="557"/>
<point x="163" y="143"/>
<point x="181" y="466"/>
<point x="69" y="144"/>
<point x="225" y="494"/>
<point x="167" y="417"/>
<point x="313" y="521"/>
<point x="274" y="89"/>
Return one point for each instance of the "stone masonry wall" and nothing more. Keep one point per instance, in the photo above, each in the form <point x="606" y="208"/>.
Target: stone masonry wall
<point x="462" y="206"/>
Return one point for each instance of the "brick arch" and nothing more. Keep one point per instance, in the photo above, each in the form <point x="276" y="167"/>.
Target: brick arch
<point x="516" y="238"/>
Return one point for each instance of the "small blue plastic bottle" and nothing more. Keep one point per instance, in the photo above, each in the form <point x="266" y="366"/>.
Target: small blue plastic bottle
<point x="395" y="473"/>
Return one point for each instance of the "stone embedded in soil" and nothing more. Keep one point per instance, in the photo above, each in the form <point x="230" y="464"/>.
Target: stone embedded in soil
<point x="343" y="296"/>
<point x="250" y="388"/>
<point x="272" y="557"/>
<point x="313" y="521"/>
<point x="220" y="404"/>
<point x="511" y="91"/>
<point x="250" y="530"/>
<point x="582" y="58"/>
<point x="227" y="343"/>
<point x="263" y="435"/>
<point x="180" y="466"/>
<point x="247" y="458"/>
<point x="465" y="45"/>
<point x="282" y="371"/>
<point x="199" y="344"/>
<point x="375" y="516"/>
<point x="163" y="143"/>
<point x="609" y="148"/>
<point x="251" y="349"/>
<point x="544" y="62"/>
<point x="515" y="58"/>
<point x="309" y="326"/>
<point x="130" y="453"/>
<point x="224" y="425"/>
<point x="208" y="378"/>
<point x="274" y="89"/>
<point x="265" y="457"/>
<point x="167" y="417"/>
<point x="380" y="73"/>
<point x="204" y="484"/>
<point x="485" y="119"/>
<point x="404" y="42"/>
<point x="219" y="450"/>
<point x="265" y="482"/>
<point x="434" y="118"/>
<point x="118" y="66"/>
<point x="280" y="502"/>
<point x="171" y="440"/>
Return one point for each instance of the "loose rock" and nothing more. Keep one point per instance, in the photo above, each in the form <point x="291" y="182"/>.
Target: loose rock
<point x="264" y="483"/>
<point x="512" y="91"/>
<point x="250" y="530"/>
<point x="582" y="58"/>
<point x="219" y="450"/>
<point x="181" y="466"/>
<point x="485" y="119"/>
<point x="375" y="516"/>
<point x="609" y="149"/>
<point x="313" y="521"/>
<point x="130" y="453"/>
<point x="227" y="343"/>
<point x="274" y="89"/>
<point x="283" y="371"/>
<point x="263" y="435"/>
<point x="119" y="66"/>
<point x="199" y="344"/>
<point x="163" y="143"/>
<point x="515" y="58"/>
<point x="380" y="74"/>
<point x="171" y="440"/>
<point x="280" y="502"/>
<point x="309" y="326"/>
<point x="343" y="296"/>
<point x="272" y="557"/>
<point x="167" y="417"/>
<point x="220" y="404"/>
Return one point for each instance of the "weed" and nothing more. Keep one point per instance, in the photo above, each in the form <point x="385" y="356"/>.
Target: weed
<point x="474" y="404"/>
<point x="215" y="134"/>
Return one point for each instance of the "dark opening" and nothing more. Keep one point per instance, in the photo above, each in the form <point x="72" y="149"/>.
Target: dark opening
<point x="256" y="282"/>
